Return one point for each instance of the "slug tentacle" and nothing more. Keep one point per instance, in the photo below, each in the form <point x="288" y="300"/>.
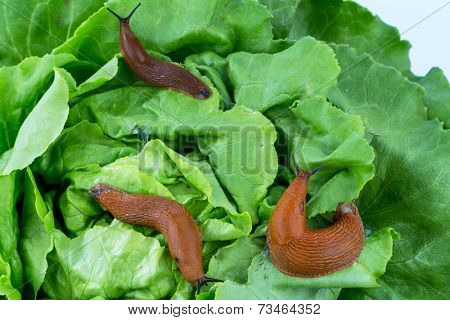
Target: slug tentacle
<point x="299" y="251"/>
<point x="167" y="216"/>
<point x="126" y="19"/>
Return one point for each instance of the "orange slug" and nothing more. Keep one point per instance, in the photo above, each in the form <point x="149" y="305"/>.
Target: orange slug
<point x="167" y="216"/>
<point x="299" y="251"/>
<point x="152" y="71"/>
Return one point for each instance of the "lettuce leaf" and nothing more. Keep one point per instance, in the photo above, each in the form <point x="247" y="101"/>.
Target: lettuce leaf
<point x="35" y="27"/>
<point x="11" y="279"/>
<point x="437" y="98"/>
<point x="261" y="81"/>
<point x="32" y="139"/>
<point x="78" y="146"/>
<point x="342" y="22"/>
<point x="21" y="87"/>
<point x="109" y="262"/>
<point x="36" y="241"/>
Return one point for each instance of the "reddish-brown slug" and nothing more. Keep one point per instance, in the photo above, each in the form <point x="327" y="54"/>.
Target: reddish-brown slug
<point x="167" y="216"/>
<point x="298" y="251"/>
<point x="152" y="71"/>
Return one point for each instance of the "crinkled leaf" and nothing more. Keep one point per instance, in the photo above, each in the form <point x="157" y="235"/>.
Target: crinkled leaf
<point x="78" y="146"/>
<point x="10" y="264"/>
<point x="35" y="27"/>
<point x="262" y="80"/>
<point x="214" y="67"/>
<point x="345" y="22"/>
<point x="437" y="98"/>
<point x="231" y="262"/>
<point x="267" y="282"/>
<point x="116" y="111"/>
<point x="410" y="191"/>
<point x="326" y="135"/>
<point x="267" y="206"/>
<point x="109" y="262"/>
<point x="21" y="87"/>
<point x="42" y="126"/>
<point x="98" y="79"/>
<point x="283" y="12"/>
<point x="7" y="290"/>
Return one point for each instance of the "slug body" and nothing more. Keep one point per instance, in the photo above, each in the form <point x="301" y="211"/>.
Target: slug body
<point x="152" y="71"/>
<point x="298" y="251"/>
<point x="167" y="216"/>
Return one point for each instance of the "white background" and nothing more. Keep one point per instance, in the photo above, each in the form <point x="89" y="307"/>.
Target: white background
<point x="430" y="39"/>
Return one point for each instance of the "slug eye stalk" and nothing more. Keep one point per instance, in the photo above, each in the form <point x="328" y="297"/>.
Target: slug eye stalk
<point x="300" y="171"/>
<point x="127" y="18"/>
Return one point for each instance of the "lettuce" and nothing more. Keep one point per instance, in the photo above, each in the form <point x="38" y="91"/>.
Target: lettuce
<point x="315" y="81"/>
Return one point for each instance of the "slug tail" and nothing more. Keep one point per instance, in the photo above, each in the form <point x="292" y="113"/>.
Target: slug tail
<point x="126" y="19"/>
<point x="203" y="281"/>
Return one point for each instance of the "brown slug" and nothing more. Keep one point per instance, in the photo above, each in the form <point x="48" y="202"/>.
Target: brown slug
<point x="165" y="215"/>
<point x="152" y="71"/>
<point x="296" y="250"/>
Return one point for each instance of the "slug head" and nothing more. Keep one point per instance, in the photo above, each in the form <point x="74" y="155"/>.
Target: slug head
<point x="101" y="192"/>
<point x="203" y="93"/>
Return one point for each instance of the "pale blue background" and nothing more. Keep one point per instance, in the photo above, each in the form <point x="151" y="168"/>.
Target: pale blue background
<point x="430" y="39"/>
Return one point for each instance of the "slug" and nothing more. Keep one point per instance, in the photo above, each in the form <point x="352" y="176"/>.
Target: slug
<point x="298" y="251"/>
<point x="167" y="216"/>
<point x="152" y="71"/>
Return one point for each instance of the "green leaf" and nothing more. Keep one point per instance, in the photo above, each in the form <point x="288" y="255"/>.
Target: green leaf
<point x="11" y="279"/>
<point x="116" y="111"/>
<point x="35" y="27"/>
<point x="214" y="67"/>
<point x="36" y="241"/>
<point x="344" y="22"/>
<point x="21" y="87"/>
<point x="238" y="142"/>
<point x="283" y="12"/>
<point x="79" y="146"/>
<point x="98" y="79"/>
<point x="437" y="98"/>
<point x="109" y="262"/>
<point x="266" y="282"/>
<point x="410" y="191"/>
<point x="322" y="134"/>
<point x="268" y="204"/>
<point x="231" y="262"/>
<point x="262" y="80"/>
<point x="216" y="25"/>
<point x="42" y="126"/>
<point x="7" y="290"/>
